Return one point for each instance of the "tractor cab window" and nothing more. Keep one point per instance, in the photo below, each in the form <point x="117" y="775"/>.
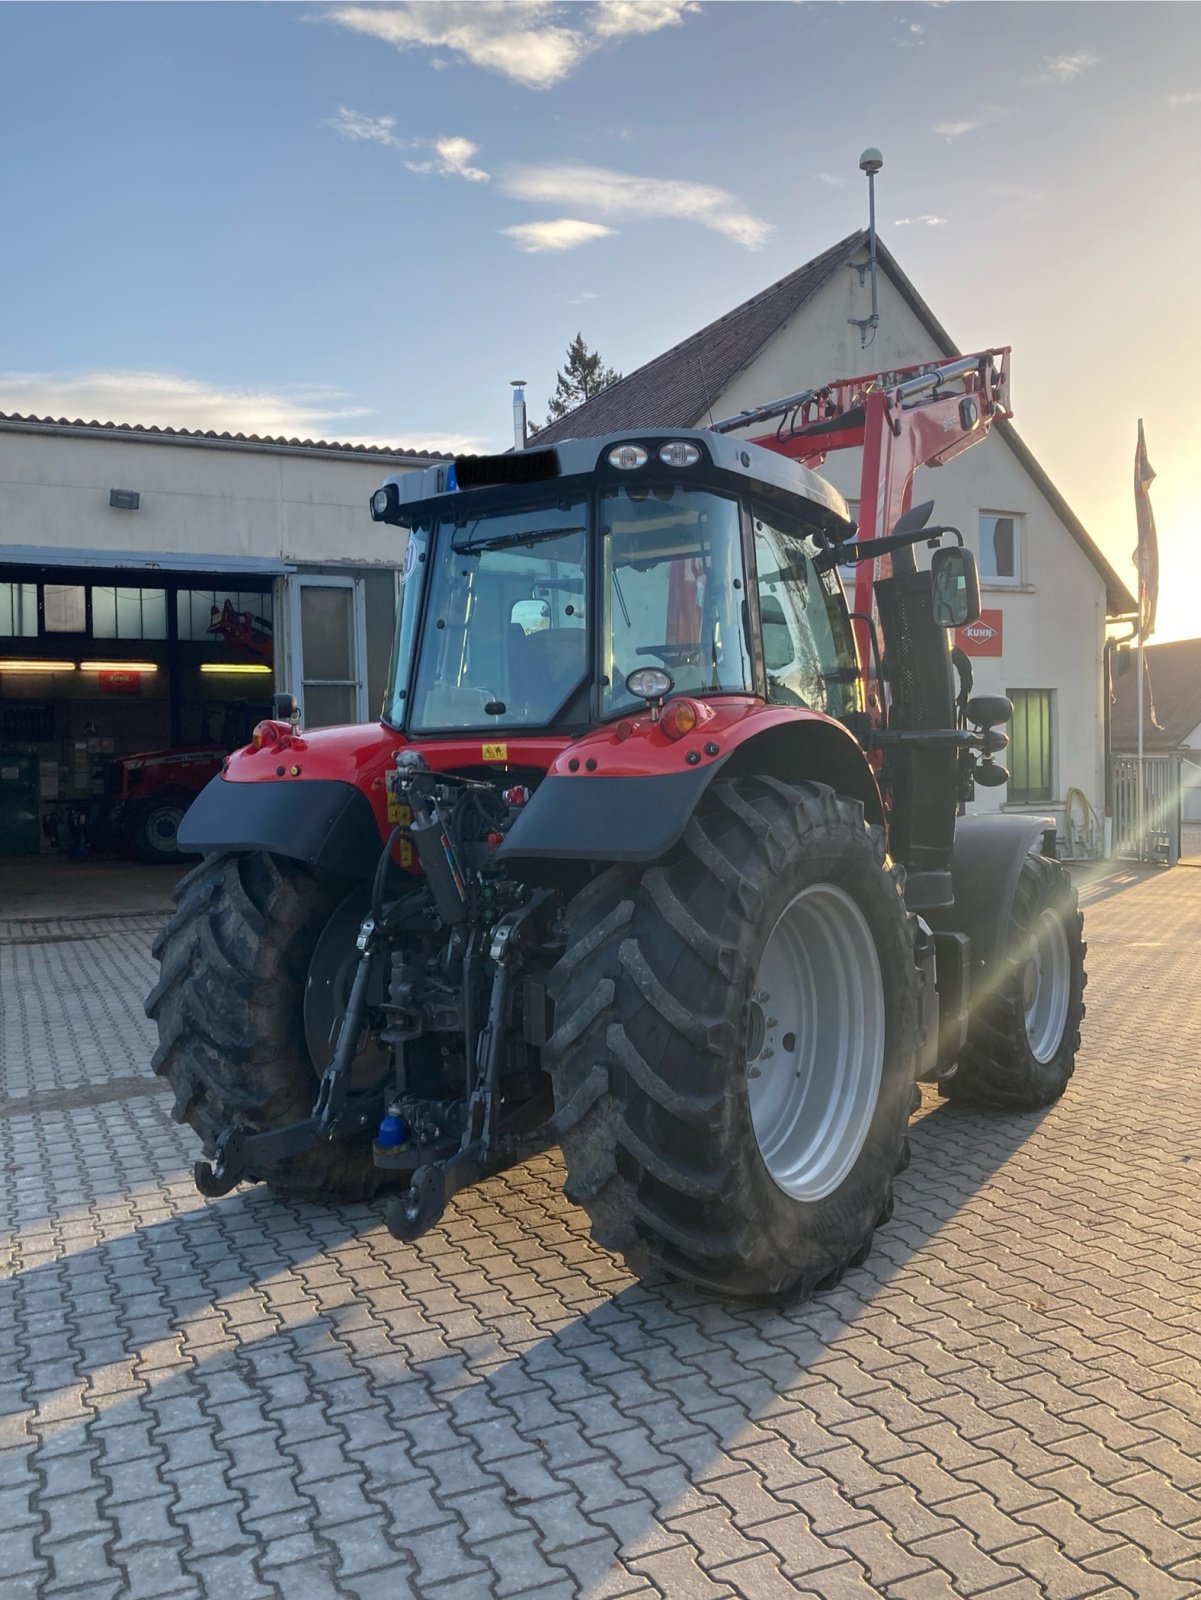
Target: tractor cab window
<point x="503" y="642"/>
<point x="674" y="591"/>
<point x="808" y="650"/>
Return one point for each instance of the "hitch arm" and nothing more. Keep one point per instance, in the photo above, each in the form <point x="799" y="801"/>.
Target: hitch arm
<point x="239" y="1151"/>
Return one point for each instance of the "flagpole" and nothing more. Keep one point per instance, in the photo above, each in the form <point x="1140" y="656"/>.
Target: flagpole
<point x="1141" y="820"/>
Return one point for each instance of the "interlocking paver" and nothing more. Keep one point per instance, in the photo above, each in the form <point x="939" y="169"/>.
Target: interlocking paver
<point x="244" y="1398"/>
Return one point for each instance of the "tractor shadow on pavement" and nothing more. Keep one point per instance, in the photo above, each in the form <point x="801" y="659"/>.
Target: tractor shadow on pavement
<point x="527" y="1379"/>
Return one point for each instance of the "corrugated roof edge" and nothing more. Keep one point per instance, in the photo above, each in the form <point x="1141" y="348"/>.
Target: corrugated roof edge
<point x="151" y="431"/>
<point x="1119" y="602"/>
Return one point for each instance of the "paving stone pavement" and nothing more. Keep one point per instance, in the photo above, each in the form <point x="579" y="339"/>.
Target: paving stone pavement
<point x="241" y="1398"/>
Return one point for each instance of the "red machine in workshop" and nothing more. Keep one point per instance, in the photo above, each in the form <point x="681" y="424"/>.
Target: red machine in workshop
<point x="153" y="789"/>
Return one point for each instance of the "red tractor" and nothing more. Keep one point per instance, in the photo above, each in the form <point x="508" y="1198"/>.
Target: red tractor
<point x="657" y="852"/>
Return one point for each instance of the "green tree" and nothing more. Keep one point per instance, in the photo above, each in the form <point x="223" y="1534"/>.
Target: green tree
<point x="581" y="376"/>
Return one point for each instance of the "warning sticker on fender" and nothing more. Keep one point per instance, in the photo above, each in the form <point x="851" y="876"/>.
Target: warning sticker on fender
<point x="494" y="752"/>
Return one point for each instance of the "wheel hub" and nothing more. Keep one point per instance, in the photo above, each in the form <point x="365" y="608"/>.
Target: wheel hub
<point x="1047" y="986"/>
<point x="815" y="1042"/>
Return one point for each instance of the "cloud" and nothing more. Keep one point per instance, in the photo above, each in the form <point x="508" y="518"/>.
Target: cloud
<point x="357" y="126"/>
<point x="1054" y="70"/>
<point x="911" y="37"/>
<point x="452" y="153"/>
<point x="1190" y="97"/>
<point x="565" y="233"/>
<point x="451" y="160"/>
<point x="622" y="196"/>
<point x="832" y="179"/>
<point x="536" y="43"/>
<point x="926" y="221"/>
<point x="167" y="400"/>
<point x="955" y="130"/>
<point x="616" y="19"/>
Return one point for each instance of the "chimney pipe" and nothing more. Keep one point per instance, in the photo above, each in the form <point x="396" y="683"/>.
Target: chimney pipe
<point x="519" y="439"/>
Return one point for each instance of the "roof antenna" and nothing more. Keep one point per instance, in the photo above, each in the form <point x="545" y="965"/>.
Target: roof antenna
<point x="870" y="162"/>
<point x="700" y="361"/>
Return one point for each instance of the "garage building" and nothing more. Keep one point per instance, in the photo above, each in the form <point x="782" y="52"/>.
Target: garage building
<point x="157" y="586"/>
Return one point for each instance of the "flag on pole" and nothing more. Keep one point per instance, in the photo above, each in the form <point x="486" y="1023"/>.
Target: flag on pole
<point x="1146" y="555"/>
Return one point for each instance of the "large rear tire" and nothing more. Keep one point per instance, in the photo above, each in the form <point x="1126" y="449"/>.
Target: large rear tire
<point x="1025" y="1031"/>
<point x="229" y="1005"/>
<point x="741" y="1139"/>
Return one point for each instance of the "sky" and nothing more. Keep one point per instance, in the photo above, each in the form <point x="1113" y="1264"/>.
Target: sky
<point x="360" y="221"/>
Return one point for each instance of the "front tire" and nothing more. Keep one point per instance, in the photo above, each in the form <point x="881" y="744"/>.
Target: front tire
<point x="1025" y="1032"/>
<point x="229" y="1005"/>
<point x="743" y="1144"/>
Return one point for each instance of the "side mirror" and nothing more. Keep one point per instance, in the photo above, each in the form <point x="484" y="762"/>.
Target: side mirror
<point x="283" y="707"/>
<point x="955" y="587"/>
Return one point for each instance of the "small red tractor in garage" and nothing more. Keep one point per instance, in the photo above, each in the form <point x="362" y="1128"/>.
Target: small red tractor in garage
<point x="658" y="852"/>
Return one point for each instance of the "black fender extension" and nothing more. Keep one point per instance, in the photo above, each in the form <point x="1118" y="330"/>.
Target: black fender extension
<point x="320" y="821"/>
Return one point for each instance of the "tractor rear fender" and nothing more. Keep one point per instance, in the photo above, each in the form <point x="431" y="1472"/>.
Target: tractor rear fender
<point x="321" y="821"/>
<point x="985" y="867"/>
<point x="607" y="799"/>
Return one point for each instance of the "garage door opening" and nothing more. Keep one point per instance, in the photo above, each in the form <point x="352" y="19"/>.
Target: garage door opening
<point x="121" y="691"/>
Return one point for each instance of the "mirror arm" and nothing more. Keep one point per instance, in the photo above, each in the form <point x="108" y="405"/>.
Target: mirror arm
<point x="848" y="555"/>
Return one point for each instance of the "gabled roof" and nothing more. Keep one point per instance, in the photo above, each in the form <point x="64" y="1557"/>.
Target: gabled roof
<point x="1173" y="688"/>
<point x="16" y="421"/>
<point x="677" y="387"/>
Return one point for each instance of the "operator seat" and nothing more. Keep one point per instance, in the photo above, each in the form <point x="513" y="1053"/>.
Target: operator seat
<point x="544" y="668"/>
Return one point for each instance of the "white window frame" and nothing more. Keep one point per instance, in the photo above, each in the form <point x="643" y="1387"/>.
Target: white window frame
<point x="297" y="582"/>
<point x="990" y="580"/>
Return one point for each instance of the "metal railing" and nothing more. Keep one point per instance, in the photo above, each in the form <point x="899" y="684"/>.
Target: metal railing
<point x="1146" y="811"/>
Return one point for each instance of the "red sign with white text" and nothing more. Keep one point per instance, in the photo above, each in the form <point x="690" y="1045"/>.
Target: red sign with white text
<point x="982" y="637"/>
<point x="121" y="682"/>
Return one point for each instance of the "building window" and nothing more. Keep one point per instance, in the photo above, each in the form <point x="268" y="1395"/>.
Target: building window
<point x="1030" y="770"/>
<point x="1001" y="547"/>
<point x="200" y="609"/>
<point x="65" y="607"/>
<point x="129" y="613"/>
<point x="18" y="610"/>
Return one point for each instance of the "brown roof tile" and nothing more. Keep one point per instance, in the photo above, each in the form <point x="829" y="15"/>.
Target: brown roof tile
<point x="1173" y="687"/>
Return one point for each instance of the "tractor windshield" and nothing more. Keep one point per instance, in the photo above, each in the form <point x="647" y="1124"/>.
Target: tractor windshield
<point x="674" y="591"/>
<point x="504" y="641"/>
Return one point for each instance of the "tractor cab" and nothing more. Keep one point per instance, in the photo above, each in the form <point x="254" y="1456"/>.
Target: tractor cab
<point x="538" y="605"/>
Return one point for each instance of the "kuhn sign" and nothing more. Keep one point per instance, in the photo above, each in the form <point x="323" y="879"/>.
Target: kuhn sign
<point x="982" y="637"/>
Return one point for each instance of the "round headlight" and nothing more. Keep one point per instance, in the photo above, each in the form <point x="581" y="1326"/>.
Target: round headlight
<point x="679" y="453"/>
<point x="627" y="456"/>
<point x="650" y="683"/>
<point x="379" y="503"/>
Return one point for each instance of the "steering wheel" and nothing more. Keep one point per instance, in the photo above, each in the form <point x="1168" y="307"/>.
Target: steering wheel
<point x="672" y="655"/>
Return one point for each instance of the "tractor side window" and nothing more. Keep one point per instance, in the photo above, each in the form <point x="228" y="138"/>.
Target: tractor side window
<point x="674" y="591"/>
<point x="808" y="651"/>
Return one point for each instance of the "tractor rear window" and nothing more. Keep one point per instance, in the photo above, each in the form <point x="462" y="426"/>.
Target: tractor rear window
<point x="504" y="642"/>
<point x="674" y="591"/>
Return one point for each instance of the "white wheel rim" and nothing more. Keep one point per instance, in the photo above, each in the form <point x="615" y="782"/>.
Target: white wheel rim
<point x="1047" y="986"/>
<point x="815" y="1042"/>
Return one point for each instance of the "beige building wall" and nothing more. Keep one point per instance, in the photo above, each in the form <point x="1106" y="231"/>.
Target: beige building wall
<point x="1053" y="624"/>
<point x="201" y="498"/>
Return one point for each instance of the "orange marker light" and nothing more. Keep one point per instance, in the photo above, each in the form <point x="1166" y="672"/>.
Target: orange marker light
<point x="679" y="717"/>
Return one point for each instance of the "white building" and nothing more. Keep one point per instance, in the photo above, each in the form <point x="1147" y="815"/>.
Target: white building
<point x="121" y="546"/>
<point x="1047" y="589"/>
